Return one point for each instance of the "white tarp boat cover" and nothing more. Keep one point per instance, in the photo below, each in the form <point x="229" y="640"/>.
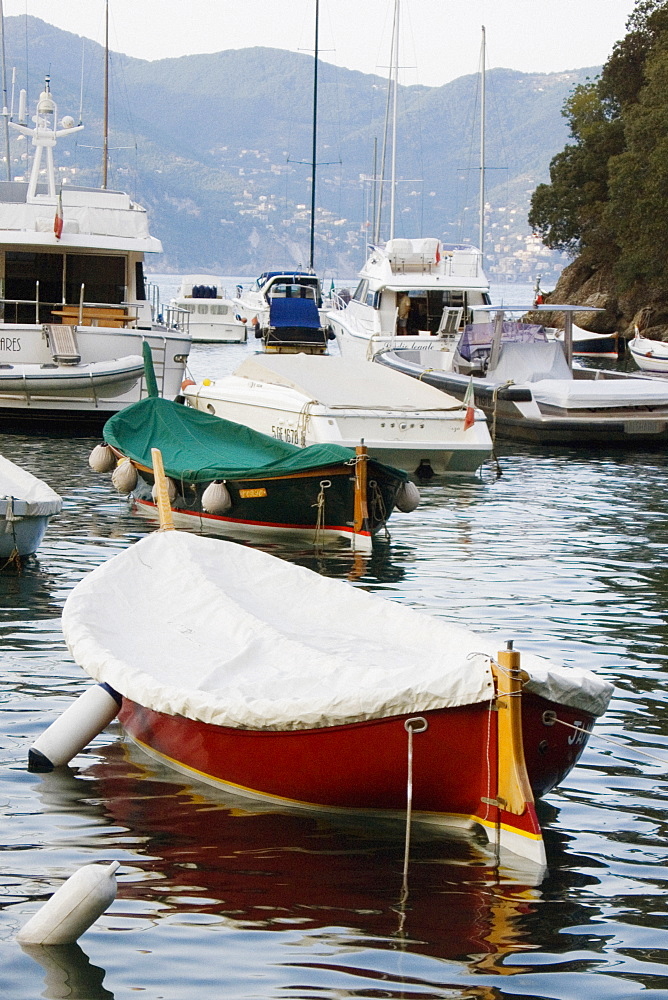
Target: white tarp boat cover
<point x="338" y="382"/>
<point x="596" y="394"/>
<point x="229" y="635"/>
<point x="16" y="482"/>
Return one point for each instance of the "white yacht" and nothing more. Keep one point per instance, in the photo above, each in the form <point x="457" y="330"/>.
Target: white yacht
<point x="73" y="301"/>
<point x="307" y="399"/>
<point x="212" y="317"/>
<point x="412" y="293"/>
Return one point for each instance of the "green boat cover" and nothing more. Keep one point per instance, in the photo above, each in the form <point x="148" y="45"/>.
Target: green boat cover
<point x="198" y="447"/>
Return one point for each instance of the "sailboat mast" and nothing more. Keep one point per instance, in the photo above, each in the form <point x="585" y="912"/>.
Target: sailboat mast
<point x="105" y="124"/>
<point x="315" y="134"/>
<point x="481" y="237"/>
<point x="395" y="70"/>
<point x="5" y="112"/>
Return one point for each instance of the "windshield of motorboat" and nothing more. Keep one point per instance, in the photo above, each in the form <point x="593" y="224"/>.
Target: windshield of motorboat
<point x="476" y="341"/>
<point x="289" y="290"/>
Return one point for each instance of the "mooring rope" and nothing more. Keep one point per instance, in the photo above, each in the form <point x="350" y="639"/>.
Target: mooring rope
<point x="320" y="513"/>
<point x="549" y="718"/>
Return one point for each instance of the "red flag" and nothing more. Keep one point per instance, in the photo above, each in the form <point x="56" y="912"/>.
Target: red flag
<point x="469" y="403"/>
<point x="438" y="253"/>
<point x="58" y="221"/>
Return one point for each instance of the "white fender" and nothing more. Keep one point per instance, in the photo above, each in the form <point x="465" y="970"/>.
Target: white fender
<point x="407" y="498"/>
<point x="124" y="477"/>
<point x="102" y="458"/>
<point x="75" y="728"/>
<point x="171" y="490"/>
<point x="216" y="498"/>
<point x="73" y="907"/>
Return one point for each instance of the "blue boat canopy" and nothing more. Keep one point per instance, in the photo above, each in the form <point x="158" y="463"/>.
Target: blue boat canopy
<point x="300" y="313"/>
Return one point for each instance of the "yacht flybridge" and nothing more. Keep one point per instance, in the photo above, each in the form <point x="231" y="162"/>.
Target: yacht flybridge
<point x="72" y="294"/>
<point x="412" y="293"/>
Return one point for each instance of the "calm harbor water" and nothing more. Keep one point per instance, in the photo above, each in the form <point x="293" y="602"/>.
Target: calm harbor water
<point x="565" y="553"/>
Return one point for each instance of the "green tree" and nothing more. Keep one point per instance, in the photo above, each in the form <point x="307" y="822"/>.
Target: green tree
<point x="608" y="190"/>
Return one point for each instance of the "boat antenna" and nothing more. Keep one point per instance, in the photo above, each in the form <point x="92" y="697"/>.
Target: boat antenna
<point x="105" y="124"/>
<point x="395" y="70"/>
<point x="383" y="158"/>
<point x="315" y="134"/>
<point x="482" y="146"/>
<point x="5" y="112"/>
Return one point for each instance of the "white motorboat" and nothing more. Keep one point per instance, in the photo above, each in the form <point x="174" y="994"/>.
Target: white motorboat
<point x="309" y="399"/>
<point x="74" y="309"/>
<point x="529" y="389"/>
<point x="649" y="355"/>
<point x="26" y="506"/>
<point x="437" y="286"/>
<point x="213" y="317"/>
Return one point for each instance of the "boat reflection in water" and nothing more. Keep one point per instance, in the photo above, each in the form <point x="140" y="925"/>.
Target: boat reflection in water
<point x="195" y="855"/>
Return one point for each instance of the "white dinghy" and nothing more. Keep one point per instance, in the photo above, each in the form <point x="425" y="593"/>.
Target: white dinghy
<point x="26" y="506"/>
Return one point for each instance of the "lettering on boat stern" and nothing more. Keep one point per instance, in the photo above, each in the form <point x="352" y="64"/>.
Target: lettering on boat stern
<point x="10" y="343"/>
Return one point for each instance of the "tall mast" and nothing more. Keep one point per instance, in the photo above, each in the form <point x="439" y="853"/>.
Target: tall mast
<point x="395" y="71"/>
<point x="5" y="112"/>
<point x="481" y="237"/>
<point x="105" y="124"/>
<point x="315" y="135"/>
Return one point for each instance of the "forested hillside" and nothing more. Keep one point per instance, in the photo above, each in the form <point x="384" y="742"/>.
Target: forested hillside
<point x="607" y="199"/>
<point x="214" y="146"/>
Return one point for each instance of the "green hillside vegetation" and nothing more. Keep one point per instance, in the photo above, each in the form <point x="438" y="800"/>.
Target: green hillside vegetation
<point x="607" y="199"/>
<point x="212" y="144"/>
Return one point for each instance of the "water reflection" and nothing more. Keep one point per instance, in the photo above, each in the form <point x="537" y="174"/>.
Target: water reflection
<point x="69" y="973"/>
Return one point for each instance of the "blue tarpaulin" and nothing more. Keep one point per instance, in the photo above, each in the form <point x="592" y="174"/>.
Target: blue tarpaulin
<point x="300" y="313"/>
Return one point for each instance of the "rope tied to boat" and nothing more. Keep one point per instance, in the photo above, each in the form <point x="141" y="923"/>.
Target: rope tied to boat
<point x="550" y="718"/>
<point x="416" y="724"/>
<point x="378" y="508"/>
<point x="13" y="559"/>
<point x="320" y="512"/>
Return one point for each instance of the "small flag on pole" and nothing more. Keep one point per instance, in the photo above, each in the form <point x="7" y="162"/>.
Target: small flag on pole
<point x="58" y="221"/>
<point x="469" y="403"/>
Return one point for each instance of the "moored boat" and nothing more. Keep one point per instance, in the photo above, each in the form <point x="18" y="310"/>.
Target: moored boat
<point x="26" y="506"/>
<point x="262" y="677"/>
<point x="212" y="317"/>
<point x="74" y="309"/>
<point x="649" y="355"/>
<point x="529" y="389"/>
<point x="312" y="400"/>
<point x="229" y="478"/>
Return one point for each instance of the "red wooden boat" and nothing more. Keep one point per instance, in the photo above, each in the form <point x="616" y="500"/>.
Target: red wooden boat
<point x="267" y="679"/>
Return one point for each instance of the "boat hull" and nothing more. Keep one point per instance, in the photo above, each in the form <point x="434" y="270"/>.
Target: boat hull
<point x="420" y="442"/>
<point x="361" y="768"/>
<point x="649" y="355"/>
<point x="21" y="536"/>
<point x="317" y="506"/>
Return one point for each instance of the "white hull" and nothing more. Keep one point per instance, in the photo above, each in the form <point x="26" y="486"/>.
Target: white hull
<point x="649" y="355"/>
<point x="419" y="430"/>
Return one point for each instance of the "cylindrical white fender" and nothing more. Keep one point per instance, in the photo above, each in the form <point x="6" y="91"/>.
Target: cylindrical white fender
<point x="216" y="498"/>
<point x="75" y="728"/>
<point x="73" y="907"/>
<point x="407" y="498"/>
<point x="171" y="490"/>
<point x="124" y="477"/>
<point x="102" y="458"/>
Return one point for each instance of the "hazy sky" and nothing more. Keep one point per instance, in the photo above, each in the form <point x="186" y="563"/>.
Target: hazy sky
<point x="440" y="39"/>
